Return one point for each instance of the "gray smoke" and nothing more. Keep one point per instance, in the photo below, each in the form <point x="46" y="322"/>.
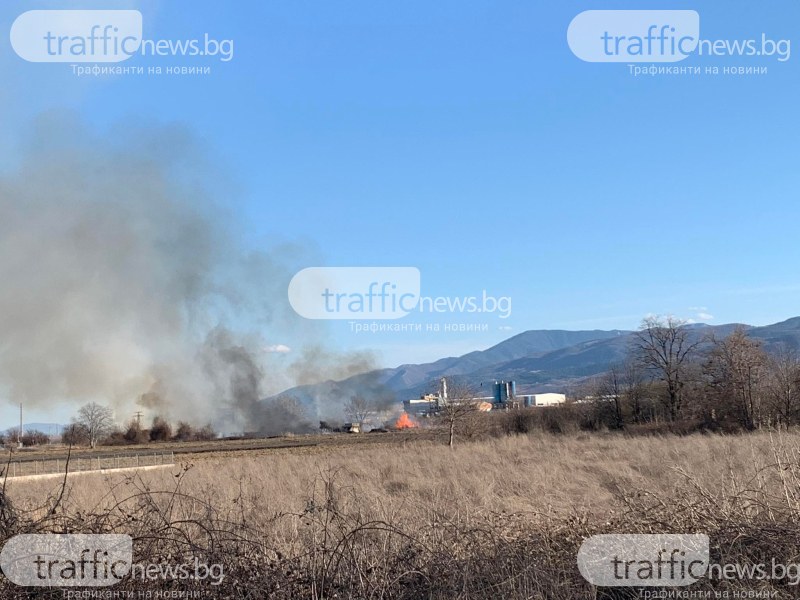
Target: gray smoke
<point x="316" y="360"/>
<point x="341" y="376"/>
<point x="125" y="283"/>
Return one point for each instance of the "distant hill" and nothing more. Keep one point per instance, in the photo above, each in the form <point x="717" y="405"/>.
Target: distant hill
<point x="786" y="333"/>
<point x="538" y="360"/>
<point x="529" y="344"/>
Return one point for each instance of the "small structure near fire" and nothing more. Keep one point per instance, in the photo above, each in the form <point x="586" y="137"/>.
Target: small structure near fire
<point x="326" y="427"/>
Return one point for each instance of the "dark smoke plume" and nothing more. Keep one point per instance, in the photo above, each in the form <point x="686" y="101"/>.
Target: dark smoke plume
<point x="124" y="282"/>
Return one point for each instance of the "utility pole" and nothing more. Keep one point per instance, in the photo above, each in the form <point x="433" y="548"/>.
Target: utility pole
<point x="19" y="431"/>
<point x="138" y="416"/>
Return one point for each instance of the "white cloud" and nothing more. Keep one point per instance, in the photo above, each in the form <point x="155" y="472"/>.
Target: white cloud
<point x="278" y="348"/>
<point x="701" y="314"/>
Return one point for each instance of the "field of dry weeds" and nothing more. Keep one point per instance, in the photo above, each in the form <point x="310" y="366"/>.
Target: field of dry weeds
<point x="496" y="518"/>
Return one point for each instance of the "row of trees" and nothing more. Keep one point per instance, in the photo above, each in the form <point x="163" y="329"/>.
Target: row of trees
<point x="31" y="437"/>
<point x="673" y="377"/>
<point x="94" y="424"/>
<point x="672" y="373"/>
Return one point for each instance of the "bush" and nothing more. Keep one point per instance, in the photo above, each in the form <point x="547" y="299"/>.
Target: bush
<point x="135" y="434"/>
<point x="115" y="438"/>
<point x="680" y="427"/>
<point x="161" y="431"/>
<point x="184" y="432"/>
<point x="518" y="421"/>
<point x="205" y="434"/>
<point x="76" y="434"/>
<point x="35" y="438"/>
<point x="568" y="418"/>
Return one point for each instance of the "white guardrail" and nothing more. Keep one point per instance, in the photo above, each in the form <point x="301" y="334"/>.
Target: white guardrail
<point x="31" y="467"/>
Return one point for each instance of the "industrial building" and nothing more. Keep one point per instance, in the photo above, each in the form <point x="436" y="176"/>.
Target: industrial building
<point x="547" y="399"/>
<point x="504" y="396"/>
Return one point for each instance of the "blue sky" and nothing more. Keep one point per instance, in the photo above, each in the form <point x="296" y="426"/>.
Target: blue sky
<point x="465" y="139"/>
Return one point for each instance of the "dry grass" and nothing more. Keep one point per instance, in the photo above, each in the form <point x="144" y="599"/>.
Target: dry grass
<point x="231" y="447"/>
<point x="495" y="518"/>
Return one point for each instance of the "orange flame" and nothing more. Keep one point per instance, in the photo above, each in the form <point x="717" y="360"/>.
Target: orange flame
<point x="404" y="422"/>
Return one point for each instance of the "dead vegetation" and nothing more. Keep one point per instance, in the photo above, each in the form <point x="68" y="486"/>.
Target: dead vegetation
<point x="497" y="518"/>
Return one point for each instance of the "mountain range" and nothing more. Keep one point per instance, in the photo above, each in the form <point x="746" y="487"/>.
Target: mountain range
<point x="538" y="360"/>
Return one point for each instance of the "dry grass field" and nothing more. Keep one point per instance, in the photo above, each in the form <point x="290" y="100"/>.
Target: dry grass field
<point x="494" y="518"/>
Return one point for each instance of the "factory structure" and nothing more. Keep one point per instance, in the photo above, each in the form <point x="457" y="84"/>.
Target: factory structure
<point x="504" y="396"/>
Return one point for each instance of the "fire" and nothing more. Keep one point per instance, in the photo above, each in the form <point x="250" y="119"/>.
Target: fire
<point x="404" y="422"/>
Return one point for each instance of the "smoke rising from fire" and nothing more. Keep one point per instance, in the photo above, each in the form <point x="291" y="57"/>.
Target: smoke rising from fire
<point x="125" y="282"/>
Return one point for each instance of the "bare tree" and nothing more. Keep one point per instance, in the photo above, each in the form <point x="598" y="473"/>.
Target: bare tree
<point x="74" y="434"/>
<point x="783" y="386"/>
<point x="610" y="391"/>
<point x="97" y="419"/>
<point x="665" y="348"/>
<point x="33" y="437"/>
<point x="619" y="395"/>
<point x="359" y="409"/>
<point x="161" y="430"/>
<point x="456" y="405"/>
<point x="736" y="367"/>
<point x="633" y="381"/>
